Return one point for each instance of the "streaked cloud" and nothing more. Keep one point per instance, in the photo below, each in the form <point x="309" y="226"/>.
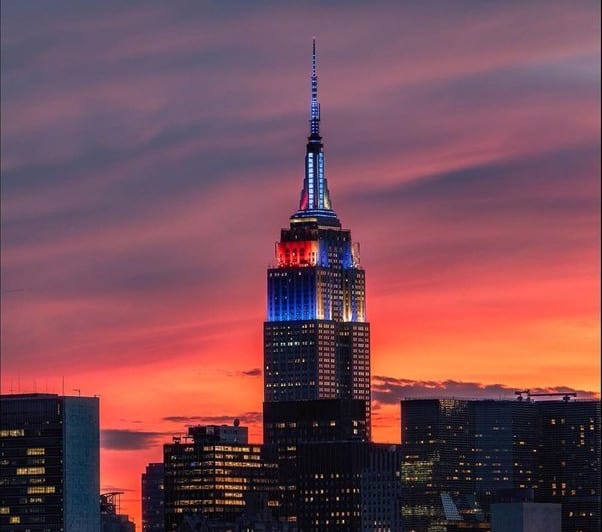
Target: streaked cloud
<point x="129" y="440"/>
<point x="247" y="418"/>
<point x="391" y="390"/>
<point x="255" y="372"/>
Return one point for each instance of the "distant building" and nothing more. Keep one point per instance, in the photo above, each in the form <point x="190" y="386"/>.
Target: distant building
<point x="210" y="478"/>
<point x="49" y="468"/>
<point x="111" y="519"/>
<point x="569" y="461"/>
<point x="525" y="517"/>
<point x="223" y="433"/>
<point x="380" y="489"/>
<point x="469" y="451"/>
<point x="351" y="485"/>
<point x="153" y="492"/>
<point x="463" y="455"/>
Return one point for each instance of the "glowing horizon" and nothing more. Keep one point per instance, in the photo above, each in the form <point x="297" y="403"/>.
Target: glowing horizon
<point x="151" y="155"/>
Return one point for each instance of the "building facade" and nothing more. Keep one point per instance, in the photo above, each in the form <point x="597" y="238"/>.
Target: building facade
<point x="316" y="337"/>
<point x="349" y="485"/>
<point x="468" y="454"/>
<point x="569" y="461"/>
<point x="153" y="494"/>
<point x="211" y="478"/>
<point x="525" y="517"/>
<point x="49" y="463"/>
<point x="461" y="455"/>
<point x="289" y="424"/>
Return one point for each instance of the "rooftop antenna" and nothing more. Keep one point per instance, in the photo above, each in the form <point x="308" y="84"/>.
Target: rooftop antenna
<point x="79" y="392"/>
<point x="315" y="106"/>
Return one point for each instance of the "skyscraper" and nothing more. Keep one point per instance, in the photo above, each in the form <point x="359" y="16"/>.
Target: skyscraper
<point x="465" y="454"/>
<point x="316" y="338"/>
<point x="49" y="466"/>
<point x="569" y="461"/>
<point x="472" y="453"/>
<point x="153" y="488"/>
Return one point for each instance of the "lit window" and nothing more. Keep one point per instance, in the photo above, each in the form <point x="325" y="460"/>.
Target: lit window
<point x="31" y="470"/>
<point x="36" y="451"/>
<point x="11" y="433"/>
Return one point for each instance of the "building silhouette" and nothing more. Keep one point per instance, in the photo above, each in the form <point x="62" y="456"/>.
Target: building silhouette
<point x="111" y="518"/>
<point x="214" y="477"/>
<point x="349" y="485"/>
<point x="153" y="494"/>
<point x="568" y="467"/>
<point x="462" y="456"/>
<point x="287" y="425"/>
<point x="49" y="468"/>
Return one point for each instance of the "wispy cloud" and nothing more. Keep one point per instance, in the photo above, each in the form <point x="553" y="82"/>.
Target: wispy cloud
<point x="391" y="390"/>
<point x="255" y="372"/>
<point x="129" y="440"/>
<point x="245" y="418"/>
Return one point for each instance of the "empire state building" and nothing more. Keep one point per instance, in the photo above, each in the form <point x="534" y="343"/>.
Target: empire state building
<point x="316" y="337"/>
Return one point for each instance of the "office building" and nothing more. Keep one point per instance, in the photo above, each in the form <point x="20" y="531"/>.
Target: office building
<point x="316" y="337"/>
<point x="569" y="461"/>
<point x="461" y="456"/>
<point x="49" y="463"/>
<point x="212" y="478"/>
<point x="153" y="492"/>
<point x="351" y="485"/>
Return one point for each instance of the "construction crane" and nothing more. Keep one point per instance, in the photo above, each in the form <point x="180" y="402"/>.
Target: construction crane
<point x="526" y="395"/>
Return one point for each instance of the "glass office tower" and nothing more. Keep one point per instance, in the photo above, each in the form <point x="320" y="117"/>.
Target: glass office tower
<point x="316" y="338"/>
<point x="49" y="463"/>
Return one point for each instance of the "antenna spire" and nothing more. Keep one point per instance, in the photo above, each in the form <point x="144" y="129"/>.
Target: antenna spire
<point x="315" y="106"/>
<point x="315" y="197"/>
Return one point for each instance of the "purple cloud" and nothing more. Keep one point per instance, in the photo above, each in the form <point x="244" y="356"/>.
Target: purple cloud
<point x="129" y="440"/>
<point x="245" y="418"/>
<point x="391" y="390"/>
<point x="255" y="372"/>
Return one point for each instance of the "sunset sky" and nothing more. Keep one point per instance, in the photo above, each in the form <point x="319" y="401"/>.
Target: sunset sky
<point x="152" y="152"/>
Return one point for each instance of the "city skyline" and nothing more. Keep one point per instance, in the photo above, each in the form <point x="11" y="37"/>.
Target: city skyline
<point x="146" y="171"/>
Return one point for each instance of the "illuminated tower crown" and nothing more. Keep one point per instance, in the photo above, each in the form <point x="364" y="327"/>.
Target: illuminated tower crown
<point x="315" y="197"/>
<point x="316" y="286"/>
